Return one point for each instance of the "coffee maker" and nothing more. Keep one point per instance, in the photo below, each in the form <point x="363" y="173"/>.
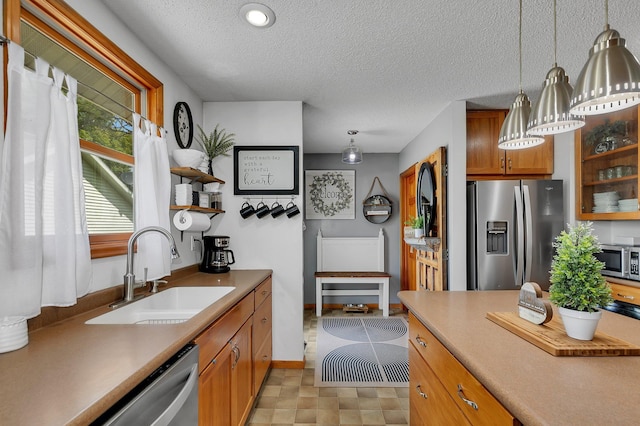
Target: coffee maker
<point x="216" y="257"/>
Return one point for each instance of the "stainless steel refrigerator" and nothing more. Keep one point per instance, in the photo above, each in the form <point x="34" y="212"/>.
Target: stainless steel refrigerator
<point x="511" y="226"/>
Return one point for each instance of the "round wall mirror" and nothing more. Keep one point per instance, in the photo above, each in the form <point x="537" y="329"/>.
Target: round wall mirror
<point x="426" y="196"/>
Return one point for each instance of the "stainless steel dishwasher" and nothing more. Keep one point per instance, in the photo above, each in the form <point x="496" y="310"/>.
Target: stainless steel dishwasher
<point x="169" y="396"/>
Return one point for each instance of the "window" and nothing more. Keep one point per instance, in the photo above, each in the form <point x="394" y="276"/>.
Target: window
<point x="110" y="86"/>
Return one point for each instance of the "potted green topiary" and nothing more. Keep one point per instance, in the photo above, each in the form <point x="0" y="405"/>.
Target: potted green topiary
<point x="217" y="143"/>
<point x="577" y="287"/>
<point x="417" y="223"/>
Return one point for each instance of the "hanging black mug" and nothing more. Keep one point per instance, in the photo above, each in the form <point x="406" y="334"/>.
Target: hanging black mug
<point x="262" y="210"/>
<point x="291" y="210"/>
<point x="246" y="210"/>
<point x="276" y="209"/>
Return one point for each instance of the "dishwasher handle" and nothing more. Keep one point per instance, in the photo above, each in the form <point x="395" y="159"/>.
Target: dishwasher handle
<point x="170" y="413"/>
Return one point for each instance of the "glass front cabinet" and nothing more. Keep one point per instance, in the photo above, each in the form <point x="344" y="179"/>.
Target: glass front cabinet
<point x="607" y="167"/>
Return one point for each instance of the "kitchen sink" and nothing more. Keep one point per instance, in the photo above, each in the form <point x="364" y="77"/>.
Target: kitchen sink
<point x="171" y="306"/>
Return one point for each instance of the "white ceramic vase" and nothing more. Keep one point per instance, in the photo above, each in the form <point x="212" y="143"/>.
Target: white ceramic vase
<point x="418" y="232"/>
<point x="578" y="324"/>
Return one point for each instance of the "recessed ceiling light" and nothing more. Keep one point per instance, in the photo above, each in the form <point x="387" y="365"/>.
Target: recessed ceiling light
<point x="257" y="15"/>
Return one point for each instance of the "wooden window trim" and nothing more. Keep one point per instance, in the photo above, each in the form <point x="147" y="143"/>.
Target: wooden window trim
<point x="42" y="14"/>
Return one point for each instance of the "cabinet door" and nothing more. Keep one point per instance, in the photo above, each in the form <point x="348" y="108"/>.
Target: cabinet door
<point x="241" y="375"/>
<point x="607" y="178"/>
<point x="483" y="155"/>
<point x="214" y="388"/>
<point x="429" y="402"/>
<point x="537" y="160"/>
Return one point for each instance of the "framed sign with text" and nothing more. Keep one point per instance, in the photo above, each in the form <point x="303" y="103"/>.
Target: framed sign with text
<point x="265" y="170"/>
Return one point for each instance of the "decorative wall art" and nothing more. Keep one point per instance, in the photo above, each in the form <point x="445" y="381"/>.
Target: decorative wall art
<point x="265" y="170"/>
<point x="329" y="194"/>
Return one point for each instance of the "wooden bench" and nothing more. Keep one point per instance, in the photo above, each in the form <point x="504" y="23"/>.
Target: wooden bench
<point x="351" y="261"/>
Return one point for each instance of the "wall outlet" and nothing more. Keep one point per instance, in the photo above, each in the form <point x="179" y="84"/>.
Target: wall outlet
<point x="193" y="243"/>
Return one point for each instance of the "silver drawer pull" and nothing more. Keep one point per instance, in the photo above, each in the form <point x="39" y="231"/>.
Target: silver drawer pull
<point x="264" y="320"/>
<point x="466" y="401"/>
<point x="421" y="342"/>
<point x="422" y="394"/>
<point x="624" y="296"/>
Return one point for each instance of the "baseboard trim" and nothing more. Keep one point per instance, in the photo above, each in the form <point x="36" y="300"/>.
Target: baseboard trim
<point x="292" y="365"/>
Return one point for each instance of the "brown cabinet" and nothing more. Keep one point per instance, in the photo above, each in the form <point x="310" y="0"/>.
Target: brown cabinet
<point x="607" y="176"/>
<point x="625" y="293"/>
<point x="262" y="321"/>
<point x="485" y="160"/>
<point x="225" y="386"/>
<point x="235" y="356"/>
<point x="454" y="386"/>
<point x="429" y="402"/>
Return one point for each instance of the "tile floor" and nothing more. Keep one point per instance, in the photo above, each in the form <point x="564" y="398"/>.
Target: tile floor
<point x="289" y="398"/>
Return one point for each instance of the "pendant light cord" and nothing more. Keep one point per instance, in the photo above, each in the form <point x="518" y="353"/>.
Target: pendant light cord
<point x="606" y="14"/>
<point x="520" y="44"/>
<point x="555" y="37"/>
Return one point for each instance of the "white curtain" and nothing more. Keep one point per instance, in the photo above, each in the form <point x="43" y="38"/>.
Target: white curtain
<point x="152" y="196"/>
<point x="45" y="257"/>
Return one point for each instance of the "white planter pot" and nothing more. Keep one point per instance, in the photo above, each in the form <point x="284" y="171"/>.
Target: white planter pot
<point x="418" y="233"/>
<point x="580" y="325"/>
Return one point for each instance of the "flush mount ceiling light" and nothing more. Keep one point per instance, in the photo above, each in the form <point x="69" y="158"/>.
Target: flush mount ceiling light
<point x="352" y="154"/>
<point x="551" y="115"/>
<point x="257" y="15"/>
<point x="513" y="134"/>
<point x="610" y="80"/>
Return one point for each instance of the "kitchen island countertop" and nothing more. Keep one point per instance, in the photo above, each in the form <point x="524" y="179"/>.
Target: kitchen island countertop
<point x="536" y="387"/>
<point x="71" y="372"/>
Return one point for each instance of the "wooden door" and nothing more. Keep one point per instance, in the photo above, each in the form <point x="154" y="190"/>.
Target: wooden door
<point x="214" y="391"/>
<point x="483" y="155"/>
<point x="407" y="208"/>
<point x="241" y="375"/>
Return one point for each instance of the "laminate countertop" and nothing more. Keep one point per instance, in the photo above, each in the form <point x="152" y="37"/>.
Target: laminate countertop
<point x="536" y="387"/>
<point x="71" y="372"/>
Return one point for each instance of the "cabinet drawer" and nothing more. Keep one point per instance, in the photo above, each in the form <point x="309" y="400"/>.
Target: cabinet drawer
<point x="625" y="293"/>
<point x="262" y="322"/>
<point x="213" y="339"/>
<point x="429" y="402"/>
<point x="262" y="292"/>
<point x="478" y="405"/>
<point x="261" y="363"/>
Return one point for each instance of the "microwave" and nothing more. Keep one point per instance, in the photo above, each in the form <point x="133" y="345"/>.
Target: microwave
<point x="620" y="262"/>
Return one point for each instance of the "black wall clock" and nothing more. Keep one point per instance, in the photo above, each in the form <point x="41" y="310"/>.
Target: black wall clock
<point x="183" y="124"/>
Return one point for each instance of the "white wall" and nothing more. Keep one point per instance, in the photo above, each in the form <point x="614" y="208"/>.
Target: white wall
<point x="449" y="129"/>
<point x="264" y="243"/>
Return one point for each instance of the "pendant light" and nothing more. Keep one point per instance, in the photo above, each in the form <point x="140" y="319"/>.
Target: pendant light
<point x="551" y="115"/>
<point x="352" y="154"/>
<point x="513" y="134"/>
<point x="610" y="80"/>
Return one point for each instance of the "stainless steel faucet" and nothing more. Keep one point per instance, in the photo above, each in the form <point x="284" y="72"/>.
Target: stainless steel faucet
<point x="129" y="277"/>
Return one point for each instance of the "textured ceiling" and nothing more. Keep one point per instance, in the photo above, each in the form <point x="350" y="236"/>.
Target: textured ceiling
<point x="384" y="67"/>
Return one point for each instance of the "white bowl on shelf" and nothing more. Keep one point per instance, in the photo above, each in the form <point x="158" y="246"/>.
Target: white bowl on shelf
<point x="188" y="157"/>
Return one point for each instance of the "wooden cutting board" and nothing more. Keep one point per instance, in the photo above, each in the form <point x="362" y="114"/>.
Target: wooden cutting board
<point x="552" y="338"/>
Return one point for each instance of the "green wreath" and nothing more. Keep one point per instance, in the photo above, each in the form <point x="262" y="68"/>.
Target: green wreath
<point x="321" y="182"/>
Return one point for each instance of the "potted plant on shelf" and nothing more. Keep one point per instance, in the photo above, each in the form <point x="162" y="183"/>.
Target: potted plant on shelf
<point x="417" y="223"/>
<point x="577" y="287"/>
<point x="605" y="137"/>
<point x="216" y="143"/>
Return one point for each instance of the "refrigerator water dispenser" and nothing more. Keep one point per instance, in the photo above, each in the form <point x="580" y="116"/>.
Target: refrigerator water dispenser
<point x="497" y="237"/>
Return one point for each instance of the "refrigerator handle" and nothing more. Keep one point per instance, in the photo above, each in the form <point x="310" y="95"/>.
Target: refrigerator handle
<point x="518" y="259"/>
<point x="528" y="236"/>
